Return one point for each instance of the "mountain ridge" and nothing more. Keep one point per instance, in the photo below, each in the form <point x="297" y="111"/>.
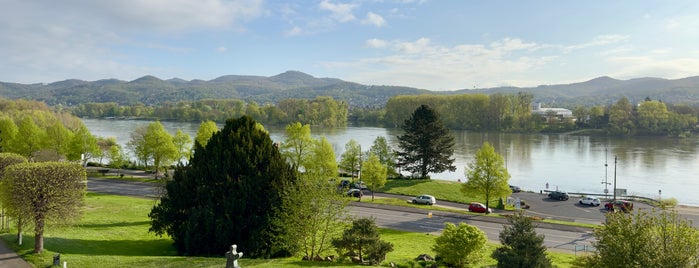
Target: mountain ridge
<point x="151" y="90"/>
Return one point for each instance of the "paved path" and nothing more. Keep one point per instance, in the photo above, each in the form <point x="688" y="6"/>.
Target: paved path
<point x="10" y="259"/>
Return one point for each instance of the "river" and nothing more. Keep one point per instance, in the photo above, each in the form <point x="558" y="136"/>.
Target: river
<point x="646" y="166"/>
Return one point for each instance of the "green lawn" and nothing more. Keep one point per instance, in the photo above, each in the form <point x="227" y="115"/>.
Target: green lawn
<point x="114" y="233"/>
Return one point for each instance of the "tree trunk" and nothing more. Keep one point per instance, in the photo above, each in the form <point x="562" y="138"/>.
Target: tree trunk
<point x="39" y="235"/>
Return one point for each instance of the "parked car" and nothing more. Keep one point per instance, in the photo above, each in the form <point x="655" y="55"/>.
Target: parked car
<point x="355" y="193"/>
<point x="359" y="185"/>
<point x="619" y="205"/>
<point x="590" y="201"/>
<point x="478" y="207"/>
<point x="344" y="184"/>
<point x="558" y="195"/>
<point x="424" y="199"/>
<point x="515" y="189"/>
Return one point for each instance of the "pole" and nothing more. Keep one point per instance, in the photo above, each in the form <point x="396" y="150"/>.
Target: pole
<point x="614" y="178"/>
<point x="606" y="184"/>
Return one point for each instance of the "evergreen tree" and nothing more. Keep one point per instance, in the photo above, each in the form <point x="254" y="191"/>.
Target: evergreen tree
<point x="427" y="146"/>
<point x="230" y="192"/>
<point x="521" y="246"/>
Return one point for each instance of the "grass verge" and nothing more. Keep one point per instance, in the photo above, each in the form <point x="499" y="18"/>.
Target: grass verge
<point x="114" y="233"/>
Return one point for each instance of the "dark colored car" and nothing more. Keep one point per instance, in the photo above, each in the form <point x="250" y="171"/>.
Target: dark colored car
<point x="515" y="189"/>
<point x="619" y="205"/>
<point x="558" y="195"/>
<point x="355" y="193"/>
<point x="478" y="207"/>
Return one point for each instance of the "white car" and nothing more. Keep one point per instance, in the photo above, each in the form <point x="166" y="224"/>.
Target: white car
<point x="424" y="199"/>
<point x="590" y="201"/>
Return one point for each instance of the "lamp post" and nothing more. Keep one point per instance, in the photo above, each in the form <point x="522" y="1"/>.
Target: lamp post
<point x="660" y="199"/>
<point x="614" y="199"/>
<point x="606" y="184"/>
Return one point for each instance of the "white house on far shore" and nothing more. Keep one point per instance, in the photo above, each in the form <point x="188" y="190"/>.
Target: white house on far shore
<point x="550" y="113"/>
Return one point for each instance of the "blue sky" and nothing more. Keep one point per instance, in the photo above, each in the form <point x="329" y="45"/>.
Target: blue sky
<point x="429" y="44"/>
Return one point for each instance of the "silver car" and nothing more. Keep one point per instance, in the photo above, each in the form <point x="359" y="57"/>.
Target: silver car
<point x="424" y="199"/>
<point x="590" y="201"/>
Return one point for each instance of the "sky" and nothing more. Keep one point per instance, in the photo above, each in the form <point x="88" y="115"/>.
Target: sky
<point x="427" y="44"/>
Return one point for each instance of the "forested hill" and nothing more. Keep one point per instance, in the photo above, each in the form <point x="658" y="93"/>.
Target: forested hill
<point x="151" y="90"/>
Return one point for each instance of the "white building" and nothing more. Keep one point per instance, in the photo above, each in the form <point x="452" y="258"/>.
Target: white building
<point x="551" y="113"/>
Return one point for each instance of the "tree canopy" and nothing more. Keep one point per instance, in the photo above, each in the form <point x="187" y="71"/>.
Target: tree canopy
<point x="231" y="192"/>
<point x="43" y="192"/>
<point x="486" y="175"/>
<point x="426" y="146"/>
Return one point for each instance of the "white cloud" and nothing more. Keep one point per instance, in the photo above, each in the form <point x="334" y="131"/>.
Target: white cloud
<point x="375" y="43"/>
<point x="601" y="40"/>
<point x="421" y="63"/>
<point x="647" y="66"/>
<point x="221" y="49"/>
<point x="374" y="19"/>
<point x="340" y="12"/>
<point x="293" y="31"/>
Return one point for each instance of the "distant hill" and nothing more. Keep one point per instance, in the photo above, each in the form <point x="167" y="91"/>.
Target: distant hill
<point x="151" y="90"/>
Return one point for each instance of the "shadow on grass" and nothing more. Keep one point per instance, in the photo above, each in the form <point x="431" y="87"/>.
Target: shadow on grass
<point x="115" y="224"/>
<point x="149" y="247"/>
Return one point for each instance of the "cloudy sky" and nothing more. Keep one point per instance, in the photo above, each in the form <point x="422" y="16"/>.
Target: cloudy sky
<point x="430" y="44"/>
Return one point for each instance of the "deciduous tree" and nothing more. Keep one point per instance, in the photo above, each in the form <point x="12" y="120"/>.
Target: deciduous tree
<point x="206" y="130"/>
<point x="460" y="246"/>
<point x="385" y="153"/>
<point x="351" y="159"/>
<point x="296" y="148"/>
<point x="83" y="145"/>
<point x="373" y="173"/>
<point x="361" y="237"/>
<point x="44" y="192"/>
<point x="486" y="175"/>
<point x="183" y="146"/>
<point x="427" y="146"/>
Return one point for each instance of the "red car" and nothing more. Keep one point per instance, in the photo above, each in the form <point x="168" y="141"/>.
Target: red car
<point x="619" y="205"/>
<point x="478" y="208"/>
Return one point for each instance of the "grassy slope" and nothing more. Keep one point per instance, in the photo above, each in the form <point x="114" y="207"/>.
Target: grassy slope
<point x="114" y="233"/>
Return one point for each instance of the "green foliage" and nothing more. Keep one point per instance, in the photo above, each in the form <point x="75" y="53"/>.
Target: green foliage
<point x="426" y="146"/>
<point x="296" y="148"/>
<point x="231" y="192"/>
<point x="44" y="192"/>
<point x="205" y="131"/>
<point x="387" y="157"/>
<point x="460" y="246"/>
<point x="521" y="246"/>
<point x="373" y="173"/>
<point x="486" y="175"/>
<point x="32" y="138"/>
<point x="83" y="145"/>
<point x="363" y="239"/>
<point x="322" y="162"/>
<point x="642" y="239"/>
<point x="351" y="159"/>
<point x="8" y="159"/>
<point x="183" y="146"/>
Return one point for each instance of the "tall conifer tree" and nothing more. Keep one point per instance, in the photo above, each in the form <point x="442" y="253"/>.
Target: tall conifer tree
<point x="427" y="146"/>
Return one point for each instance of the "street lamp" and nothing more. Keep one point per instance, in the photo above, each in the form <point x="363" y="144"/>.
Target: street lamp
<point x="606" y="191"/>
<point x="660" y="199"/>
<point x="614" y="199"/>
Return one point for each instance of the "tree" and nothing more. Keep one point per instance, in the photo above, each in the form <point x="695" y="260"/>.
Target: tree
<point x="105" y="144"/>
<point x="322" y="163"/>
<point x="363" y="236"/>
<point x="642" y="239"/>
<point x="44" y="192"/>
<point x="427" y="146"/>
<point x="33" y="138"/>
<point x="386" y="155"/>
<point x="183" y="146"/>
<point x="83" y="145"/>
<point x="373" y="173"/>
<point x="486" y="175"/>
<point x="58" y="138"/>
<point x="460" y="246"/>
<point x="6" y="160"/>
<point x="351" y="159"/>
<point x="117" y="158"/>
<point x="160" y="148"/>
<point x="521" y="246"/>
<point x="206" y="130"/>
<point x="297" y="145"/>
<point x="231" y="191"/>
<point x="8" y="132"/>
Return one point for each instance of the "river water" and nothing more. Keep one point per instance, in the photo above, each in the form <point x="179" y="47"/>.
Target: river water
<point x="646" y="166"/>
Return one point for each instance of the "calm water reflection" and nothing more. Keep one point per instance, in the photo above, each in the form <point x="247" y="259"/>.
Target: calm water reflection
<point x="572" y="163"/>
